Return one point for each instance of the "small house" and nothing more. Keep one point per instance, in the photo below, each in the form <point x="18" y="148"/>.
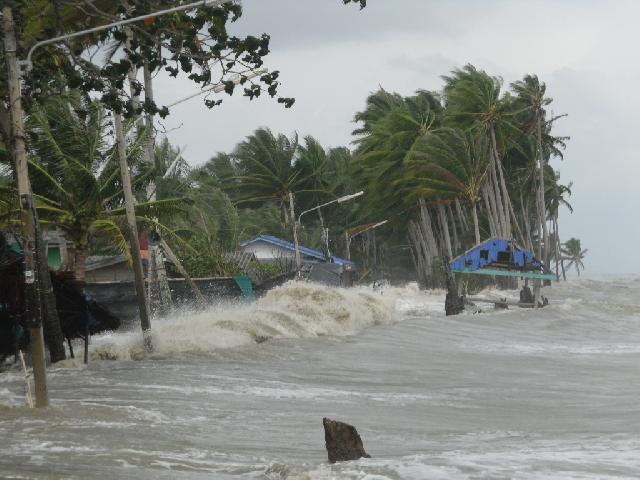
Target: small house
<point x="267" y="248"/>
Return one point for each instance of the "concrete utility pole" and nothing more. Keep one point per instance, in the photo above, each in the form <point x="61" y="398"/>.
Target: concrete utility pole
<point x="134" y="241"/>
<point x="32" y="304"/>
<point x="159" y="284"/>
<point x="295" y="234"/>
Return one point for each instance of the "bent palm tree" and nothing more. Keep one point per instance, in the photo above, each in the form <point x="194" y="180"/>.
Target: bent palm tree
<point x="572" y="251"/>
<point x="451" y="163"/>
<point x="472" y="100"/>
<point x="530" y="95"/>
<point x="390" y="135"/>
<point x="75" y="176"/>
<point x="266" y="166"/>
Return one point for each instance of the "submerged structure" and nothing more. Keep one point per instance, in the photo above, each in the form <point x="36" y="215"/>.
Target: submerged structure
<point x="499" y="257"/>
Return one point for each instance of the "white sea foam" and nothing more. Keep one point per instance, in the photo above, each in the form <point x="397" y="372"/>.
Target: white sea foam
<point x="293" y="310"/>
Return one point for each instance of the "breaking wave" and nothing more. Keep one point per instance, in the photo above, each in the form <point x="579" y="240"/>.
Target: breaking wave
<point x="293" y="310"/>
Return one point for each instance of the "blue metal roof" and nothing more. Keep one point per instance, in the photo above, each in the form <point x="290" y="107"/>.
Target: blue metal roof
<point x="497" y="256"/>
<point x="303" y="250"/>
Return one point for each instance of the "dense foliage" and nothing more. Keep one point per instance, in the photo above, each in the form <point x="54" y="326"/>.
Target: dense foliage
<point x="445" y="169"/>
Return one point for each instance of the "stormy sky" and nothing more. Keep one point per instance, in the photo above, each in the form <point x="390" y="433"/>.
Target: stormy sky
<point x="332" y="56"/>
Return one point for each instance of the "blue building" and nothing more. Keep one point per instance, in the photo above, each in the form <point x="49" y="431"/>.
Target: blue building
<point x="501" y="257"/>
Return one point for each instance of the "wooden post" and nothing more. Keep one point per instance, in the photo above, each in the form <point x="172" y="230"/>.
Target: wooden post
<point x="295" y="234"/>
<point x="33" y="312"/>
<point x="134" y="241"/>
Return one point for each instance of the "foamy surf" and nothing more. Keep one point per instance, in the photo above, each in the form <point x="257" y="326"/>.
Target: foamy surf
<point x="293" y="310"/>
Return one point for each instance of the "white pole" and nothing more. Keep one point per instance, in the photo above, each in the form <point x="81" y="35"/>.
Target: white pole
<point x="295" y="235"/>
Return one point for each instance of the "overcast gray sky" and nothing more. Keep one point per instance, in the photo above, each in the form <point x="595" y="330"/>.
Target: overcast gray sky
<point x="332" y="56"/>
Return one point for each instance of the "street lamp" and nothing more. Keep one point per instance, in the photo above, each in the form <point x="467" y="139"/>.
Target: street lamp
<point x="347" y="237"/>
<point x="342" y="199"/>
<point x="359" y="230"/>
<point x="28" y="64"/>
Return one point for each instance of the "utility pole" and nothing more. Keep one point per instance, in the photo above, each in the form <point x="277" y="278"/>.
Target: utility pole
<point x="295" y="234"/>
<point x="134" y="241"/>
<point x="159" y="284"/>
<point x="33" y="312"/>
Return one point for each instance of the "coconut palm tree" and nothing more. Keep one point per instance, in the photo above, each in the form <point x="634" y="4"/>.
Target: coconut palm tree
<point x="572" y="251"/>
<point x="473" y="100"/>
<point x="75" y="176"/>
<point x="530" y="95"/>
<point x="451" y="163"/>
<point x="313" y="167"/>
<point x="265" y="163"/>
<point x="389" y="136"/>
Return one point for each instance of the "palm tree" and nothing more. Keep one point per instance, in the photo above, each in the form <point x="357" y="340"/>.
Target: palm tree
<point x="473" y="100"/>
<point x="393" y="128"/>
<point x="265" y="163"/>
<point x="75" y="176"/>
<point x="572" y="251"/>
<point x="451" y="163"/>
<point x="530" y="95"/>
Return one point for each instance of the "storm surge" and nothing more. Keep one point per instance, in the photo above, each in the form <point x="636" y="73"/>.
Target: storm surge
<point x="293" y="310"/>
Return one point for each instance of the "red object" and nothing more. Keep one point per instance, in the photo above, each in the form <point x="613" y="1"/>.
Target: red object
<point x="144" y="241"/>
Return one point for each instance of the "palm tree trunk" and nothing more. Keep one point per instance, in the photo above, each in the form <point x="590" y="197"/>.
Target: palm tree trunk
<point x="493" y="230"/>
<point x="80" y="265"/>
<point x="454" y="228"/>
<point x="476" y="227"/>
<point x="497" y="201"/>
<point x="541" y="192"/>
<point x="461" y="216"/>
<point x="503" y="185"/>
<point x="515" y="222"/>
<point x="444" y="227"/>
<point x="284" y="213"/>
<point x="416" y="248"/>
<point x="527" y="225"/>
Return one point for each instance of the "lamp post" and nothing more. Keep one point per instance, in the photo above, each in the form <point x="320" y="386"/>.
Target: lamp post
<point x="358" y="231"/>
<point x="347" y="239"/>
<point x="342" y="199"/>
<point x="27" y="63"/>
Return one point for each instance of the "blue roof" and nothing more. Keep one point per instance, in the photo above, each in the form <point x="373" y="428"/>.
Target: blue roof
<point x="309" y="252"/>
<point x="498" y="256"/>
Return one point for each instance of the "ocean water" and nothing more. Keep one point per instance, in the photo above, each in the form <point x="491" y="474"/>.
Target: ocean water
<point x="240" y="391"/>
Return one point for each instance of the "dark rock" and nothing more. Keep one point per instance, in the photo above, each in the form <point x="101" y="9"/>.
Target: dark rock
<point x="342" y="441"/>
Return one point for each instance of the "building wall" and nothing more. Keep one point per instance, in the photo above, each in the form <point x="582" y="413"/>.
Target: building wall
<point x="119" y="272"/>
<point x="267" y="251"/>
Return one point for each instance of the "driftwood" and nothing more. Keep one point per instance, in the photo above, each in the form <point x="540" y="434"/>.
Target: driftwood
<point x="342" y="441"/>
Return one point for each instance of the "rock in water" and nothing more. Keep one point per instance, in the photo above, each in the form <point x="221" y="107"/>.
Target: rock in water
<point x="342" y="441"/>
